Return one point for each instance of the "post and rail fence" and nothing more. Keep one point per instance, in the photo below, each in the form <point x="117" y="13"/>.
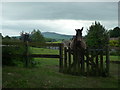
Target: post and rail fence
<point x="94" y="62"/>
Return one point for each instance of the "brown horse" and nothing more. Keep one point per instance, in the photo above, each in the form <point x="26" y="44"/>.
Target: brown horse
<point x="78" y="41"/>
<point x="78" y="47"/>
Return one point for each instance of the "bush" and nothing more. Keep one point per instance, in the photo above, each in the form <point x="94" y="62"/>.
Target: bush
<point x="114" y="43"/>
<point x="9" y="55"/>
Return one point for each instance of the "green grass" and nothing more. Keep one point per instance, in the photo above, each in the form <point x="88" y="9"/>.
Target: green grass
<point x="43" y="51"/>
<point x="46" y="75"/>
<point x="114" y="58"/>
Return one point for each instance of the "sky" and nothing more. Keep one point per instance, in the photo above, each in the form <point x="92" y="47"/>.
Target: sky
<point x="59" y="17"/>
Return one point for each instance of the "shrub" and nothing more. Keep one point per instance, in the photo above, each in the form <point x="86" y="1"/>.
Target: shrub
<point x="9" y="55"/>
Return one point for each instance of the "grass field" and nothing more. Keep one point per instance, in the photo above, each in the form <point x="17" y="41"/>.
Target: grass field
<point x="46" y="75"/>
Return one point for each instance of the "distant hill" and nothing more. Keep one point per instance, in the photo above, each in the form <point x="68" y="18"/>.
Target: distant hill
<point x="53" y="35"/>
<point x="56" y="36"/>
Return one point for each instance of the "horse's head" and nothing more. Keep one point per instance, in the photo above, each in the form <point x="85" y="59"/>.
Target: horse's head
<point x="79" y="35"/>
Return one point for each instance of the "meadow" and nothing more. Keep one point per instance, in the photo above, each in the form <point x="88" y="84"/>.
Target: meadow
<point x="46" y="75"/>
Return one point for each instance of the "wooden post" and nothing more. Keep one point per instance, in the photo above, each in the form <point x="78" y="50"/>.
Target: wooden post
<point x="82" y="62"/>
<point x="101" y="62"/>
<point x="69" y="55"/>
<point x="92" y="60"/>
<point x="74" y="60"/>
<point x="65" y="58"/>
<point x="61" y="58"/>
<point x="26" y="53"/>
<point x="87" y="60"/>
<point x="107" y="57"/>
<point x="97" y="65"/>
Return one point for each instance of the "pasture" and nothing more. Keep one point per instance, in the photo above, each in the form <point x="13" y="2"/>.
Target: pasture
<point x="46" y="75"/>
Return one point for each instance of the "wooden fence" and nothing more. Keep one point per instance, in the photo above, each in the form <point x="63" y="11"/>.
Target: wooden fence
<point x="94" y="61"/>
<point x="35" y="44"/>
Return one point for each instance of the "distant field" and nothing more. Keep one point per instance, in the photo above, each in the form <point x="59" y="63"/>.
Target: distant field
<point x="51" y="51"/>
<point x="46" y="75"/>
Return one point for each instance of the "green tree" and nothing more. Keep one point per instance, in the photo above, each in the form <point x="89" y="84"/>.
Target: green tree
<point x="96" y="36"/>
<point x="36" y="36"/>
<point x="115" y="32"/>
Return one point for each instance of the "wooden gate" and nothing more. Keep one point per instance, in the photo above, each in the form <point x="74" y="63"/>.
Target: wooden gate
<point x="94" y="62"/>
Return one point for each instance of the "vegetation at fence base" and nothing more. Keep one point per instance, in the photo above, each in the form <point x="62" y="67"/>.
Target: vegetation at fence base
<point x="13" y="52"/>
<point x="9" y="55"/>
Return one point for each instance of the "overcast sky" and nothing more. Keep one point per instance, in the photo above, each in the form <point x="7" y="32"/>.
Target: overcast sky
<point x="60" y="17"/>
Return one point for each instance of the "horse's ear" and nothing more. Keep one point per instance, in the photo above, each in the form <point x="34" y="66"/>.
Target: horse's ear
<point x="82" y="29"/>
<point x="76" y="30"/>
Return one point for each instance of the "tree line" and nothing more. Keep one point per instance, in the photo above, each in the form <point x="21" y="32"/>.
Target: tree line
<point x="34" y="36"/>
<point x="96" y="36"/>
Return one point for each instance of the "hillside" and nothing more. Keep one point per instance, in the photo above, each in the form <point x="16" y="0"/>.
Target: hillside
<point x="53" y="35"/>
<point x="56" y="35"/>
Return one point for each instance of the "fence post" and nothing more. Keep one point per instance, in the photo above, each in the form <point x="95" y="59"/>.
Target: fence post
<point x="101" y="62"/>
<point x="97" y="65"/>
<point x="92" y="60"/>
<point x="61" y="58"/>
<point x="82" y="63"/>
<point x="107" y="58"/>
<point x="69" y="55"/>
<point x="74" y="60"/>
<point x="87" y="60"/>
<point x="65" y="59"/>
<point x="26" y="53"/>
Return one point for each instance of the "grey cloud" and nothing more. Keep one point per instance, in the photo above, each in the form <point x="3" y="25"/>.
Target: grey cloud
<point x="61" y="10"/>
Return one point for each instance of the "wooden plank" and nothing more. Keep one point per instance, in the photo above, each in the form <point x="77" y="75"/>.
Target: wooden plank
<point x="36" y="44"/>
<point x="34" y="55"/>
<point x="13" y="43"/>
<point x="44" y="56"/>
<point x="30" y="43"/>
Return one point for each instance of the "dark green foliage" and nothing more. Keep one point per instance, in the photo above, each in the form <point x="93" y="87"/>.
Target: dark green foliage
<point x="96" y="36"/>
<point x="14" y="55"/>
<point x="115" y="32"/>
<point x="36" y="36"/>
<point x="9" y="55"/>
